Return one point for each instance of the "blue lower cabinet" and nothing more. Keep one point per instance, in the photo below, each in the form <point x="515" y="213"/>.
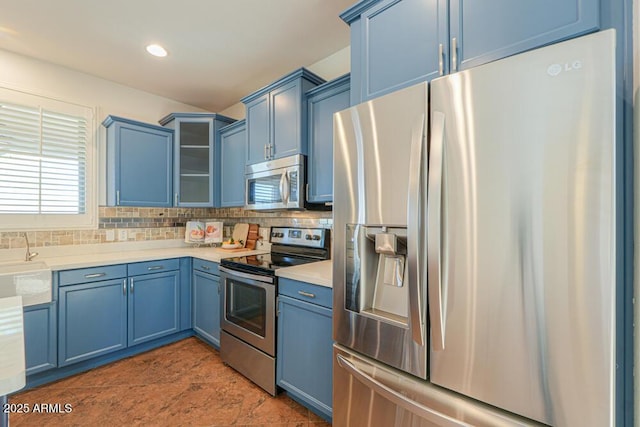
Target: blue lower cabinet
<point x="304" y="363"/>
<point x="206" y="307"/>
<point x="92" y="320"/>
<point x="97" y="316"/>
<point x="153" y="306"/>
<point x="40" y="343"/>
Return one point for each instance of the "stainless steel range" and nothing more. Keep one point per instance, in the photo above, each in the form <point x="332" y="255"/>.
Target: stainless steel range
<point x="248" y="336"/>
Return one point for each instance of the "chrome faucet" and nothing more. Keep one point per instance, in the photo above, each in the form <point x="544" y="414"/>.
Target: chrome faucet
<point x="29" y="255"/>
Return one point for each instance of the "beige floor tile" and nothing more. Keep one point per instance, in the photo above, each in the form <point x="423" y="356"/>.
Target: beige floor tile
<point x="182" y="384"/>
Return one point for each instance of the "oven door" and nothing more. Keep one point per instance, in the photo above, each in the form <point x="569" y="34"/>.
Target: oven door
<point x="248" y="308"/>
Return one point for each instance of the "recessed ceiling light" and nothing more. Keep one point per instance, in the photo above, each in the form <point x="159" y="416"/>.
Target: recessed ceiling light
<point x="157" y="50"/>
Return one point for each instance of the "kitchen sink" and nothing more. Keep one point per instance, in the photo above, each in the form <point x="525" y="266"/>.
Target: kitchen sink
<point x="31" y="280"/>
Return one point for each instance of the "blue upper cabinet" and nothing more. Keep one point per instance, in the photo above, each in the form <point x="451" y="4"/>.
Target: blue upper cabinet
<point x="277" y="117"/>
<point x="139" y="163"/>
<point x="196" y="157"/>
<point x="397" y="43"/>
<point x="489" y="30"/>
<point x="233" y="147"/>
<point x="322" y="102"/>
<point x="394" y="44"/>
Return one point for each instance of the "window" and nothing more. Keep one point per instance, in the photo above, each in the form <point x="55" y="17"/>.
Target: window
<point x="46" y="163"/>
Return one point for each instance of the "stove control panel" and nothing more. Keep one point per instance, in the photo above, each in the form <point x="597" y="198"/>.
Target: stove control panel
<point x="310" y="237"/>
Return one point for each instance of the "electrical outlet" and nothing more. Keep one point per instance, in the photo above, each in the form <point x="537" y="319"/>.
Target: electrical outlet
<point x="122" y="235"/>
<point x="110" y="235"/>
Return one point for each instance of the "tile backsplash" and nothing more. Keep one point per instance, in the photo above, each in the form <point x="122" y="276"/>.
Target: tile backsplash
<point x="143" y="224"/>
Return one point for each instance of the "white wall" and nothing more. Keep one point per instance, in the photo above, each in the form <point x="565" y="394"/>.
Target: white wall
<point x="43" y="78"/>
<point x="106" y="97"/>
<point x="329" y="68"/>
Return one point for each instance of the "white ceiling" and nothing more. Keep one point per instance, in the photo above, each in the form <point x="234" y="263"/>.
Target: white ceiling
<point x="219" y="51"/>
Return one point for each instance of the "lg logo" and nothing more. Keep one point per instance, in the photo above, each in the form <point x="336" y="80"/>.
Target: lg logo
<point x="555" y="69"/>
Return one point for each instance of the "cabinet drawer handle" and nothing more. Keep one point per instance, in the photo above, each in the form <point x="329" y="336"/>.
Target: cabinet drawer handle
<point x="124" y="287"/>
<point x="94" y="275"/>
<point x="306" y="294"/>
<point x="204" y="267"/>
<point x="155" y="267"/>
<point x="131" y="285"/>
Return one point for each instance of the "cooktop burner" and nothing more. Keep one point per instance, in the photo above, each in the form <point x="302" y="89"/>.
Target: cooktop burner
<point x="269" y="262"/>
<point x="289" y="247"/>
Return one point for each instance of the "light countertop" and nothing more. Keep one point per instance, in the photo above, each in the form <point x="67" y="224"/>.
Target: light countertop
<point x="318" y="273"/>
<point x="109" y="258"/>
<point x="66" y="258"/>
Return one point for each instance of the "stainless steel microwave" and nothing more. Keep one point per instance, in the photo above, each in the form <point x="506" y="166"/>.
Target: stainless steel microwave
<point x="276" y="184"/>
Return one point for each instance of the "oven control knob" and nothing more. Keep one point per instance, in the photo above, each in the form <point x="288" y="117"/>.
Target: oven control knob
<point x="307" y="237"/>
<point x="316" y="237"/>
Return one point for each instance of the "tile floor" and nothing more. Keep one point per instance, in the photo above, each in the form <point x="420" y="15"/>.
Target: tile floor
<point x="182" y="384"/>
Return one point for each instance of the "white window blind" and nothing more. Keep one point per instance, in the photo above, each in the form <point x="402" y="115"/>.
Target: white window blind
<point x="45" y="163"/>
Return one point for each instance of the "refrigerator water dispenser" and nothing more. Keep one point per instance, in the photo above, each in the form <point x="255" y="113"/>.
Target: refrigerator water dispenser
<point x="376" y="273"/>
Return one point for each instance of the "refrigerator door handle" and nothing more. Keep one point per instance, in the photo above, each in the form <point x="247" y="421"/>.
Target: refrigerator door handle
<point x="414" y="254"/>
<point x="434" y="212"/>
<point x="396" y="397"/>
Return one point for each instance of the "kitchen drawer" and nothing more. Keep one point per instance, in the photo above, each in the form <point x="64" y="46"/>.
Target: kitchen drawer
<point x="314" y="294"/>
<point x="158" y="266"/>
<point x="92" y="274"/>
<point x="205" y="266"/>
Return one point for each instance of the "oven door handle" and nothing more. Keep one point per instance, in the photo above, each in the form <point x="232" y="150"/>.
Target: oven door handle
<point x="257" y="278"/>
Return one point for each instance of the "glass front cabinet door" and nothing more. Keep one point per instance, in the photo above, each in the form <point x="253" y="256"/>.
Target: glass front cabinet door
<point x="196" y="157"/>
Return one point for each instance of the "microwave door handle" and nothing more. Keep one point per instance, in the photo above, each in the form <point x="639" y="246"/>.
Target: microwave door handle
<point x="283" y="181"/>
<point x="414" y="231"/>
<point x="434" y="230"/>
<point x="287" y="185"/>
<point x="284" y="187"/>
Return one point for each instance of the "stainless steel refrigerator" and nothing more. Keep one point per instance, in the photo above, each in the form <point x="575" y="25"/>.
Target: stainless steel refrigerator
<point x="474" y="246"/>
